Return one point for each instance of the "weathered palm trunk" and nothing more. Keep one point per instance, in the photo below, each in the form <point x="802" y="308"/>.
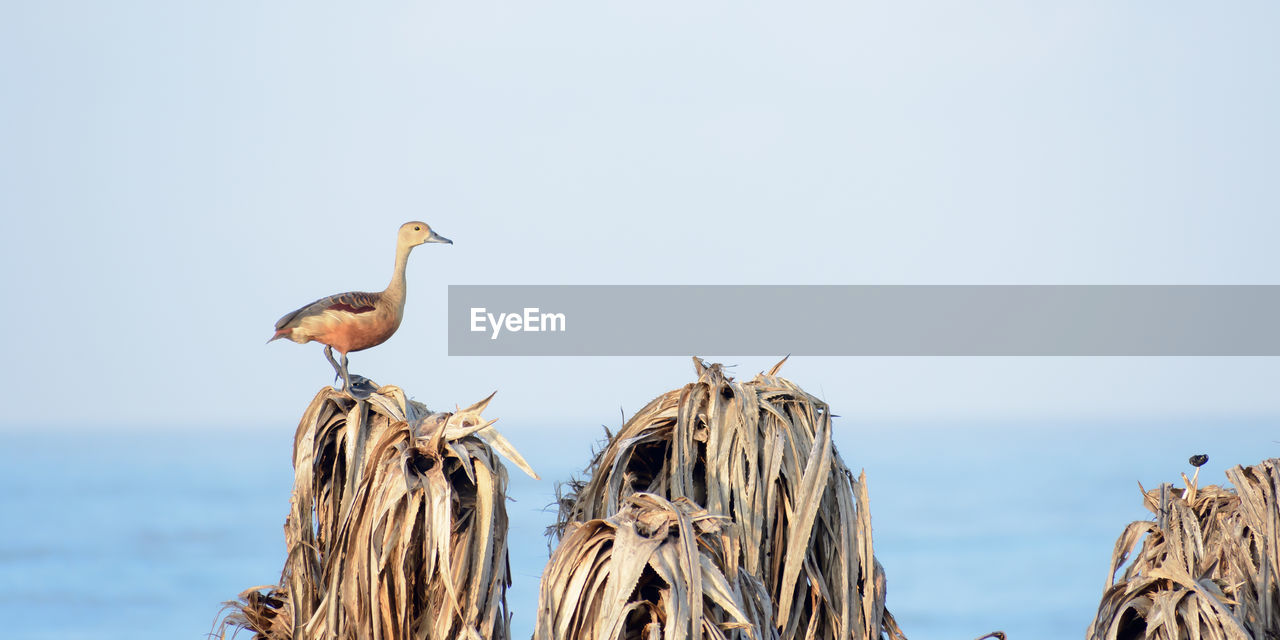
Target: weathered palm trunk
<point x="760" y="455"/>
<point x="1208" y="566"/>
<point x="397" y="527"/>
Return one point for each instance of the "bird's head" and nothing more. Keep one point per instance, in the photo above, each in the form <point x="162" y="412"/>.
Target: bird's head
<point x="415" y="233"/>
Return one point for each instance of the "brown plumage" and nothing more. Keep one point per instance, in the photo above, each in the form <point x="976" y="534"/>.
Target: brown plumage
<point x="357" y="320"/>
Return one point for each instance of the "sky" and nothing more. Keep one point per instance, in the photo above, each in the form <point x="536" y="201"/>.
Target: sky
<point x="176" y="176"/>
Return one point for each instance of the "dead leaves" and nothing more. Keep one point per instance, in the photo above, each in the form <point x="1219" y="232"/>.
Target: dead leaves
<point x="794" y="552"/>
<point x="1207" y="567"/>
<point x="397" y="529"/>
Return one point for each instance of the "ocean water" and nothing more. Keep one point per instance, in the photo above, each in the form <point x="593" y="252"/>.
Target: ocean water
<point x="143" y="534"/>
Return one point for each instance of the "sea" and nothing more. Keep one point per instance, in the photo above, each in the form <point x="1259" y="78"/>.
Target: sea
<point x="1010" y="526"/>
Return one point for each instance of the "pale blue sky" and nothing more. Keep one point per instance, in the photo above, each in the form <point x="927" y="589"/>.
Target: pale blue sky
<point x="175" y="176"/>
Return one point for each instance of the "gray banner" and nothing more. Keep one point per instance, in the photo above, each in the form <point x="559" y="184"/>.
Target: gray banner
<point x="818" y="320"/>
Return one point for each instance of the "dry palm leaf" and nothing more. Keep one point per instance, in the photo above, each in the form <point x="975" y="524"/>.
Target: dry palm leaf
<point x="397" y="529"/>
<point x="760" y="453"/>
<point x="1208" y="565"/>
<point x="656" y="569"/>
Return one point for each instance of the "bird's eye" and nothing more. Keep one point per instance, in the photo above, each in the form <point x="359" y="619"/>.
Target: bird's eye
<point x="417" y="228"/>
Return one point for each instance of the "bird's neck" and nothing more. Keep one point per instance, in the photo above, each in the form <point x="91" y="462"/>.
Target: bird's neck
<point x="395" y="290"/>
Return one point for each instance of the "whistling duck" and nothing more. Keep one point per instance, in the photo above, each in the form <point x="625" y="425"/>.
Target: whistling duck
<point x="357" y="320"/>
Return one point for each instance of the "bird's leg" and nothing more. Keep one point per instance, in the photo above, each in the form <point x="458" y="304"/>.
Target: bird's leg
<point x="346" y="377"/>
<point x="358" y="386"/>
<point x="338" y="370"/>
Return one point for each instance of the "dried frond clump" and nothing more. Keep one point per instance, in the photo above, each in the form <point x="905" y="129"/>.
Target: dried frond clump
<point x="761" y="454"/>
<point x="656" y="569"/>
<point x="397" y="528"/>
<point x="1207" y="567"/>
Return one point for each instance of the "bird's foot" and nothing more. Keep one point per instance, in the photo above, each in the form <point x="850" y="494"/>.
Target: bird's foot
<point x="361" y="387"/>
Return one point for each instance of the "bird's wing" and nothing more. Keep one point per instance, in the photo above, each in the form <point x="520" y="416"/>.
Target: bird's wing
<point x="351" y="302"/>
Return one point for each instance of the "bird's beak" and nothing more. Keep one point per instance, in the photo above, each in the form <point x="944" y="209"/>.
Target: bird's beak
<point x="435" y="237"/>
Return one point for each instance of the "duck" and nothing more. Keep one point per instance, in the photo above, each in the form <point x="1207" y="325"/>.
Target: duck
<point x="357" y="320"/>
